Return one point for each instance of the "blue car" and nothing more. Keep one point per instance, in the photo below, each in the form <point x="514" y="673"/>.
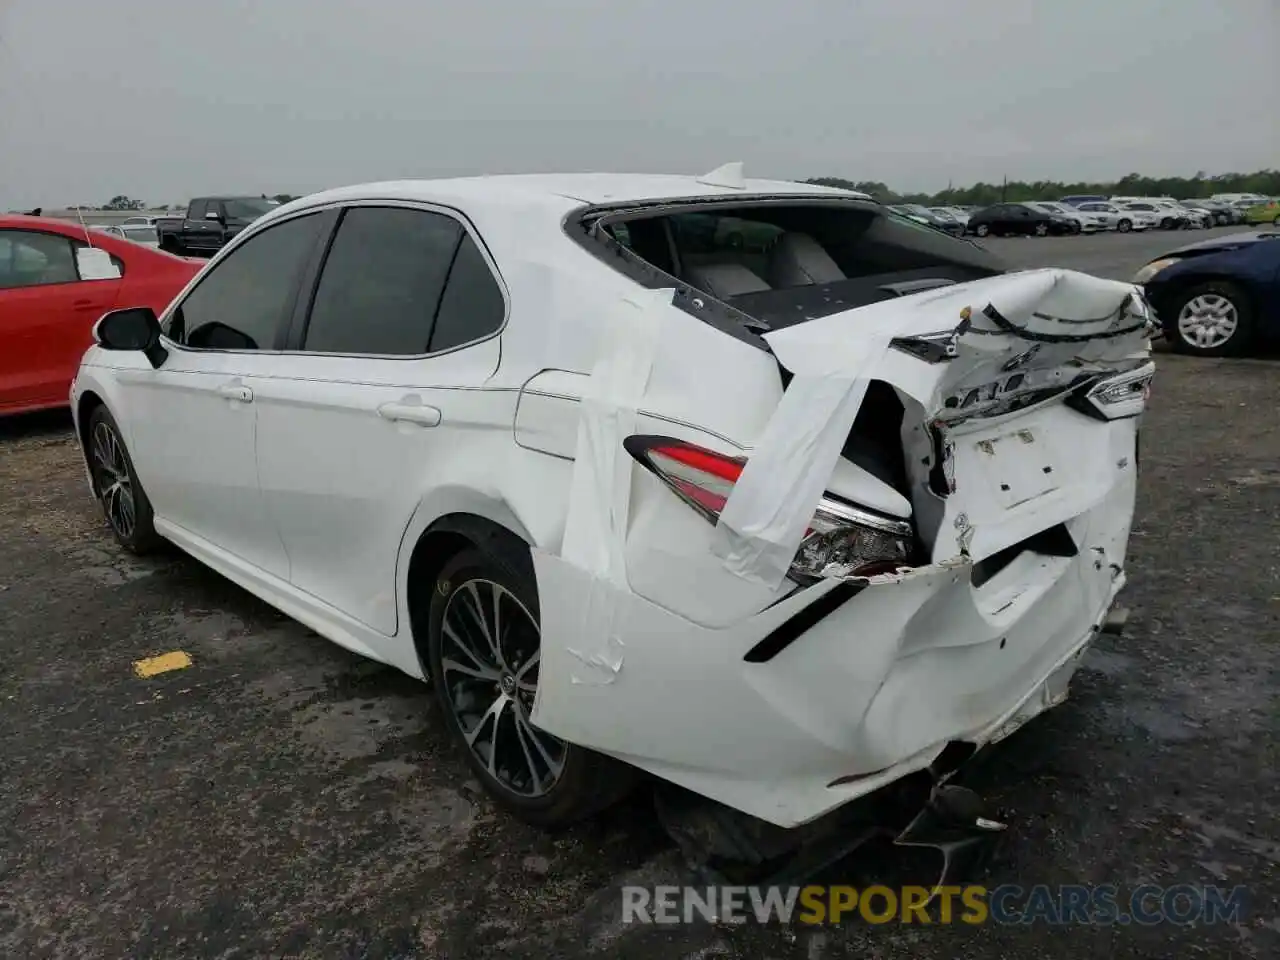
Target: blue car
<point x="1219" y="297"/>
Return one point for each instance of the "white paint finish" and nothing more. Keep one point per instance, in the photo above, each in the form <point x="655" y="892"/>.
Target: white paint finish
<point x="546" y="416"/>
<point x="340" y="480"/>
<point x="848" y="699"/>
<point x="193" y="447"/>
<point x="852" y="482"/>
<point x="347" y="461"/>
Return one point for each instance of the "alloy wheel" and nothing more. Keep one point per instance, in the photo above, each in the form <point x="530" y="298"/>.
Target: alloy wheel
<point x="490" y="651"/>
<point x="1208" y="321"/>
<point x="111" y="478"/>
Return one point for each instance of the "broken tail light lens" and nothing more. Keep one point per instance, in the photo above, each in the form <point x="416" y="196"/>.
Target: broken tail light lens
<point x="842" y="540"/>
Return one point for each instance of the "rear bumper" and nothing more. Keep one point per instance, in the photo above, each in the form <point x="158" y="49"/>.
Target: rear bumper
<point x="870" y="692"/>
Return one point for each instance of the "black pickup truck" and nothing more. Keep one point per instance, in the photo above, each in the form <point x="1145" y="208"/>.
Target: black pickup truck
<point x="210" y="222"/>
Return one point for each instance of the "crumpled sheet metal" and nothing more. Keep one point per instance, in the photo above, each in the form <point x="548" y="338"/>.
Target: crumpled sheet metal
<point x="832" y="360"/>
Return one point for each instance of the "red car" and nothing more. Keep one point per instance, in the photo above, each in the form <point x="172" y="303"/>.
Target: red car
<point x="53" y="289"/>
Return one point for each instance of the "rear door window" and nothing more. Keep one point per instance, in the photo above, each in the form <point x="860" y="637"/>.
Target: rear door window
<point x="382" y="283"/>
<point x="473" y="306"/>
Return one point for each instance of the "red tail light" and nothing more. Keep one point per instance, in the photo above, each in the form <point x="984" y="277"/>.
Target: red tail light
<point x="701" y="477"/>
<point x="841" y="540"/>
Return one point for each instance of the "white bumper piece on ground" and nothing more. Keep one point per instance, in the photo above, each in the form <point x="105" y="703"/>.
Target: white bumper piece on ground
<point x="826" y="693"/>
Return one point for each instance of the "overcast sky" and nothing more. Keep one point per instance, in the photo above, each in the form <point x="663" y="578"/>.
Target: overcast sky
<point x="163" y="99"/>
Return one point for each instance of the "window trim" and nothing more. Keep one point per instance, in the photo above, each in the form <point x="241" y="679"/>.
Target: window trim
<point x="71" y="242"/>
<point x="311" y="282"/>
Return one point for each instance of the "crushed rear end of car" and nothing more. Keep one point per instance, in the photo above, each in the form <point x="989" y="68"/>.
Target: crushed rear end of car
<point x="905" y="565"/>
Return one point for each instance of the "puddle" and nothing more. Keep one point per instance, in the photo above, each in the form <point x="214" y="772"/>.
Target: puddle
<point x="1106" y="662"/>
<point x="108" y="566"/>
<point x="395" y="770"/>
<point x="1156" y="720"/>
<point x="350" y="729"/>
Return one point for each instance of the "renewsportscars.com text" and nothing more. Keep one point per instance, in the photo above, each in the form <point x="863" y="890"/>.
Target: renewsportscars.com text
<point x="1008" y="904"/>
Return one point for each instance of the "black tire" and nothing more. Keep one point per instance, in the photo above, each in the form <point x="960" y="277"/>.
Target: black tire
<point x="1042" y="230"/>
<point x="586" y="782"/>
<point x="982" y="230"/>
<point x="115" y="484"/>
<point x="1076" y="229"/>
<point x="1239" y="340"/>
<point x="1124" y="226"/>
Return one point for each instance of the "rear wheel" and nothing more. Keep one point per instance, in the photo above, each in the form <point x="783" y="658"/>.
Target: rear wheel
<point x="1212" y="319"/>
<point x="1124" y="226"/>
<point x="115" y="484"/>
<point x="484" y="650"/>
<point x="982" y="230"/>
<point x="1042" y="229"/>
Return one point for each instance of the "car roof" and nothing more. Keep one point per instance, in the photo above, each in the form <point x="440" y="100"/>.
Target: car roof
<point x="555" y="188"/>
<point x="20" y="221"/>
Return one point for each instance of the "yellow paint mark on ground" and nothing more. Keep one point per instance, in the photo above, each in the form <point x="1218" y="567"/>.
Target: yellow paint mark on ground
<point x="177" y="660"/>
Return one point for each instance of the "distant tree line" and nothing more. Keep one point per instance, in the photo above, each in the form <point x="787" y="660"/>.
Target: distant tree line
<point x="1134" y="184"/>
<point x="121" y="202"/>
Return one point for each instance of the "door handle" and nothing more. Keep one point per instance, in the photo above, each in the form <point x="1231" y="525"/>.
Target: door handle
<point x="87" y="305"/>
<point x="415" y="413"/>
<point x="236" y="391"/>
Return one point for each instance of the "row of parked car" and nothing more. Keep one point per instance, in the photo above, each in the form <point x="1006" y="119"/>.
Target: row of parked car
<point x="1094" y="214"/>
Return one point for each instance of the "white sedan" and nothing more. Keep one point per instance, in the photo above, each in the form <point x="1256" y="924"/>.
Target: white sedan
<point x="1085" y="221"/>
<point x="1118" y="218"/>
<point x="751" y="516"/>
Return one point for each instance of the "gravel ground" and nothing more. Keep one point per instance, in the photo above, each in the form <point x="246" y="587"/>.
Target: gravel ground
<point x="281" y="797"/>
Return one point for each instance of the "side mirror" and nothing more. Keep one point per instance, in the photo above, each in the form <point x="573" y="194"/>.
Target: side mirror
<point x="135" y="328"/>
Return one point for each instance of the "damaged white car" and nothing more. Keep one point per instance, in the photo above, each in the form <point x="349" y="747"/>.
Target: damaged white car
<point x="741" y="483"/>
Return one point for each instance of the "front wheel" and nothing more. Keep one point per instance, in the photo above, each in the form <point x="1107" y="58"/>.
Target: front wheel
<point x="982" y="230"/>
<point x="115" y="484"/>
<point x="484" y="647"/>
<point x="1212" y="319"/>
<point x="1124" y="226"/>
<point x="1042" y="229"/>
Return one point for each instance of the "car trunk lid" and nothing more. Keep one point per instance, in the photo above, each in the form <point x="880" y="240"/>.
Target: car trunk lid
<point x="986" y="367"/>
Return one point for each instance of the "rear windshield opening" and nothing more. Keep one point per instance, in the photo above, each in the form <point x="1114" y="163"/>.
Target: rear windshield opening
<point x="784" y="262"/>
